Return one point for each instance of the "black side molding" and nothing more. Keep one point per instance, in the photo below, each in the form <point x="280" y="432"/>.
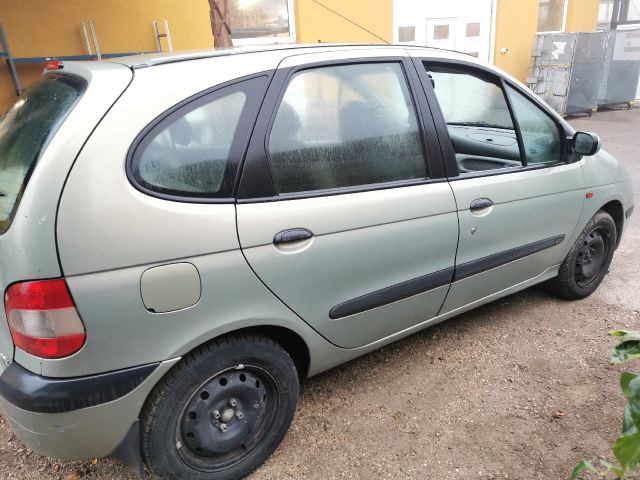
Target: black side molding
<point x="35" y="393"/>
<point x="498" y="259"/>
<point x="392" y="294"/>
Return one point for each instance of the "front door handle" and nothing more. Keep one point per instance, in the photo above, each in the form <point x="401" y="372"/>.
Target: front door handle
<point x="292" y="235"/>
<point x="480" y="203"/>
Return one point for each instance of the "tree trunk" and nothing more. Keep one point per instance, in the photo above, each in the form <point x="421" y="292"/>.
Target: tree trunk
<point x="219" y="24"/>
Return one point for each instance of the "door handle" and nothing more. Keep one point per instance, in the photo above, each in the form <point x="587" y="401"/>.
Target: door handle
<point x="292" y="235"/>
<point x="480" y="203"/>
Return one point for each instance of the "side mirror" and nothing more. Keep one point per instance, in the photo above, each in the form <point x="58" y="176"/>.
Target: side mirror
<point x="584" y="143"/>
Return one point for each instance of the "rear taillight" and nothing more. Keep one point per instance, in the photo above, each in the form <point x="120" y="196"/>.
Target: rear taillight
<point x="43" y="318"/>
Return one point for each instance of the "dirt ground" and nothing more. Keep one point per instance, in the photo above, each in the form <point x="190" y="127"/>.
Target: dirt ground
<point x="518" y="389"/>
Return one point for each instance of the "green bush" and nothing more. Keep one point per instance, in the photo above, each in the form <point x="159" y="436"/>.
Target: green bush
<point x="626" y="449"/>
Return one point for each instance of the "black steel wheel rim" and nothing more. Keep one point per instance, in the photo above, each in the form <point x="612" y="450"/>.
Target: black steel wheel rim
<point x="592" y="255"/>
<point x="226" y="418"/>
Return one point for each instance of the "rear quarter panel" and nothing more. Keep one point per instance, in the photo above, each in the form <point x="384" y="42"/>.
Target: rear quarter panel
<point x="28" y="249"/>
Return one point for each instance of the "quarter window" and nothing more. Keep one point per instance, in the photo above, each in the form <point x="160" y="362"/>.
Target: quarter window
<point x="345" y="126"/>
<point x="194" y="151"/>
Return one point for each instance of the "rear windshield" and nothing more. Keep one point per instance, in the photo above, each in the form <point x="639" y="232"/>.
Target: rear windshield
<point x="24" y="131"/>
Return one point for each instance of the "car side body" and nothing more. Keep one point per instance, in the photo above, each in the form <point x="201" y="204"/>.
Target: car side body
<point x="155" y="274"/>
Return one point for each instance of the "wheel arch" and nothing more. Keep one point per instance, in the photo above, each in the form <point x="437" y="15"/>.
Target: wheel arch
<point x="289" y="340"/>
<point x="615" y="209"/>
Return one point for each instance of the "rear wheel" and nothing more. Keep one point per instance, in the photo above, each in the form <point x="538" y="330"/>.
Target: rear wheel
<point x="221" y="411"/>
<point x="588" y="261"/>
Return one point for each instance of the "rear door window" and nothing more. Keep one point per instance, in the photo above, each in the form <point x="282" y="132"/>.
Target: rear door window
<point x="346" y="126"/>
<point x="24" y="131"/>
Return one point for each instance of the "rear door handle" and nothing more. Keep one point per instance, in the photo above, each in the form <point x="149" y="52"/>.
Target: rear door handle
<point x="480" y="203"/>
<point x="292" y="235"/>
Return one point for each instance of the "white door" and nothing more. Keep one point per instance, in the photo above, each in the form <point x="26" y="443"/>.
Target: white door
<point x="468" y="32"/>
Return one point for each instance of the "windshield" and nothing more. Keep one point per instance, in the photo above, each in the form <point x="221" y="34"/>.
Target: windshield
<point x="25" y="129"/>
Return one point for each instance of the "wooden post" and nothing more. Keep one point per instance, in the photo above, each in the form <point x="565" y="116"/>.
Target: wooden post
<point x="219" y="24"/>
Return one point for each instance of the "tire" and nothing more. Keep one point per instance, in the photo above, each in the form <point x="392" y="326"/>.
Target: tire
<point x="221" y="411"/>
<point x="577" y="277"/>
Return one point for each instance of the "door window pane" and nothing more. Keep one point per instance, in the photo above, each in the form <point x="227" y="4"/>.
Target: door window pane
<point x="550" y="14"/>
<point x="540" y="134"/>
<point x="478" y="120"/>
<point x="345" y="126"/>
<point x="188" y="154"/>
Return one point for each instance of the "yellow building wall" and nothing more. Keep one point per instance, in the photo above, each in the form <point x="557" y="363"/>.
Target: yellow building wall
<point x="315" y="23"/>
<point x="582" y="15"/>
<point x="37" y="28"/>
<point x="516" y="26"/>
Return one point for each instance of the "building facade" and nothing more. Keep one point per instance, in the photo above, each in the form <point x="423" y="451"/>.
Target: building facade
<point x="42" y="28"/>
<point x="500" y="31"/>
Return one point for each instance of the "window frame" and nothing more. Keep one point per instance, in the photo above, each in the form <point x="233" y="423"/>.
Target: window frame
<point x="292" y="38"/>
<point x="257" y="183"/>
<point x="254" y="87"/>
<point x="448" y="152"/>
<point x="563" y="28"/>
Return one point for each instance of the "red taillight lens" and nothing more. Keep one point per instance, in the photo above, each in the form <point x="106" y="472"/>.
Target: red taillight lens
<point x="43" y="318"/>
<point x="54" y="65"/>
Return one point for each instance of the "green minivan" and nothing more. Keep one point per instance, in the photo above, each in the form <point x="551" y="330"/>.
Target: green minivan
<point x="183" y="238"/>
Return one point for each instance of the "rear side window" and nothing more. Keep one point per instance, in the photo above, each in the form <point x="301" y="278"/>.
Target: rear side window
<point x="25" y="130"/>
<point x="194" y="150"/>
<point x="345" y="126"/>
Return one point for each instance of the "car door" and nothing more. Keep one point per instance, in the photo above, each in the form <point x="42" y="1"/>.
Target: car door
<point x="518" y="192"/>
<point x="343" y="209"/>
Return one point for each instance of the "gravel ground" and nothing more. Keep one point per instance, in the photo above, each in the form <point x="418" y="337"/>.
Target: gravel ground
<point x="518" y="389"/>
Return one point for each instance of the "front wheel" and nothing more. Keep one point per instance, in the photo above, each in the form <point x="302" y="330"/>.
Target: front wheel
<point x="588" y="261"/>
<point x="221" y="411"/>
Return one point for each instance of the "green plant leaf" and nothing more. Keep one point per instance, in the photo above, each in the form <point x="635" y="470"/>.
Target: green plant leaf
<point x="629" y="427"/>
<point x="582" y="467"/>
<point x="630" y="385"/>
<point x="615" y="469"/>
<point x="627" y="451"/>
<point x="627" y="334"/>
<point x="626" y="351"/>
<point x="618" y="333"/>
<point x="625" y="383"/>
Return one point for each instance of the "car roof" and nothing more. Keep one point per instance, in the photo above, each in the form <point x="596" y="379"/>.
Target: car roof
<point x="278" y="51"/>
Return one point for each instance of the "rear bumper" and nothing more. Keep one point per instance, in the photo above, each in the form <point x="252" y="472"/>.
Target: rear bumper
<point x="74" y="431"/>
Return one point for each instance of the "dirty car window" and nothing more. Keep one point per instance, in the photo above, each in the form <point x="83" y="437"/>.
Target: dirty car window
<point x="25" y="129"/>
<point x="189" y="153"/>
